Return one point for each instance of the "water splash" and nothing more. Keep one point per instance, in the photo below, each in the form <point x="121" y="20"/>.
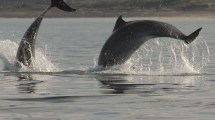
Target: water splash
<point x="8" y="51"/>
<point x="164" y="56"/>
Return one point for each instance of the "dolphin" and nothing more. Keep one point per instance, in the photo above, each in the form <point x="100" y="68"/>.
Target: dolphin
<point x="26" y="50"/>
<point x="127" y="37"/>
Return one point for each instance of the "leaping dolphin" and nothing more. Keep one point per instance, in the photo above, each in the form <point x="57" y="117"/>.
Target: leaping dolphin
<point x="26" y="50"/>
<point x="127" y="37"/>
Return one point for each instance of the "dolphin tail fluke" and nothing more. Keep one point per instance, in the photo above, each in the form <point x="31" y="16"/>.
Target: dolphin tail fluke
<point x="192" y="36"/>
<point x="61" y="5"/>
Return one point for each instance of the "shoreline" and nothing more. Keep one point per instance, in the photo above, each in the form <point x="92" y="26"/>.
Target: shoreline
<point x="209" y="14"/>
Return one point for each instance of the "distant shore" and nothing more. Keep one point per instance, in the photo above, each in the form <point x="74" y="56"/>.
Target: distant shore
<point x="110" y="14"/>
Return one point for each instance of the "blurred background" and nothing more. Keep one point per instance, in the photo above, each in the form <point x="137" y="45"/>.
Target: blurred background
<point x="112" y="8"/>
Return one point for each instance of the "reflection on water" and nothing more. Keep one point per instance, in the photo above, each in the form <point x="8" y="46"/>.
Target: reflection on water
<point x="100" y="94"/>
<point x="149" y="85"/>
<point x="109" y="84"/>
<point x="59" y="87"/>
<point x="27" y="83"/>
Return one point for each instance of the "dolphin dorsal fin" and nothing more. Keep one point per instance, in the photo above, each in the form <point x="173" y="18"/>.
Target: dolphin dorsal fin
<point x="119" y="23"/>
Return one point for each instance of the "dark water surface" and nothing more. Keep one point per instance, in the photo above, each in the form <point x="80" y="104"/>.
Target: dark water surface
<point x="171" y="80"/>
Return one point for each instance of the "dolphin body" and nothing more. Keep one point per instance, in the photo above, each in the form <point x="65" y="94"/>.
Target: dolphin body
<point x="26" y="50"/>
<point x="127" y="37"/>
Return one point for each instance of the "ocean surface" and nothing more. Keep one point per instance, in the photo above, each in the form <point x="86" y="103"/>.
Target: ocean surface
<point x="171" y="80"/>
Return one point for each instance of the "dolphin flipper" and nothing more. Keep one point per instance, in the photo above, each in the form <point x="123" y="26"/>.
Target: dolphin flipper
<point x="26" y="50"/>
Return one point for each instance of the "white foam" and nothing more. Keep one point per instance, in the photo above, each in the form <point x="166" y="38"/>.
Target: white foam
<point x="8" y="50"/>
